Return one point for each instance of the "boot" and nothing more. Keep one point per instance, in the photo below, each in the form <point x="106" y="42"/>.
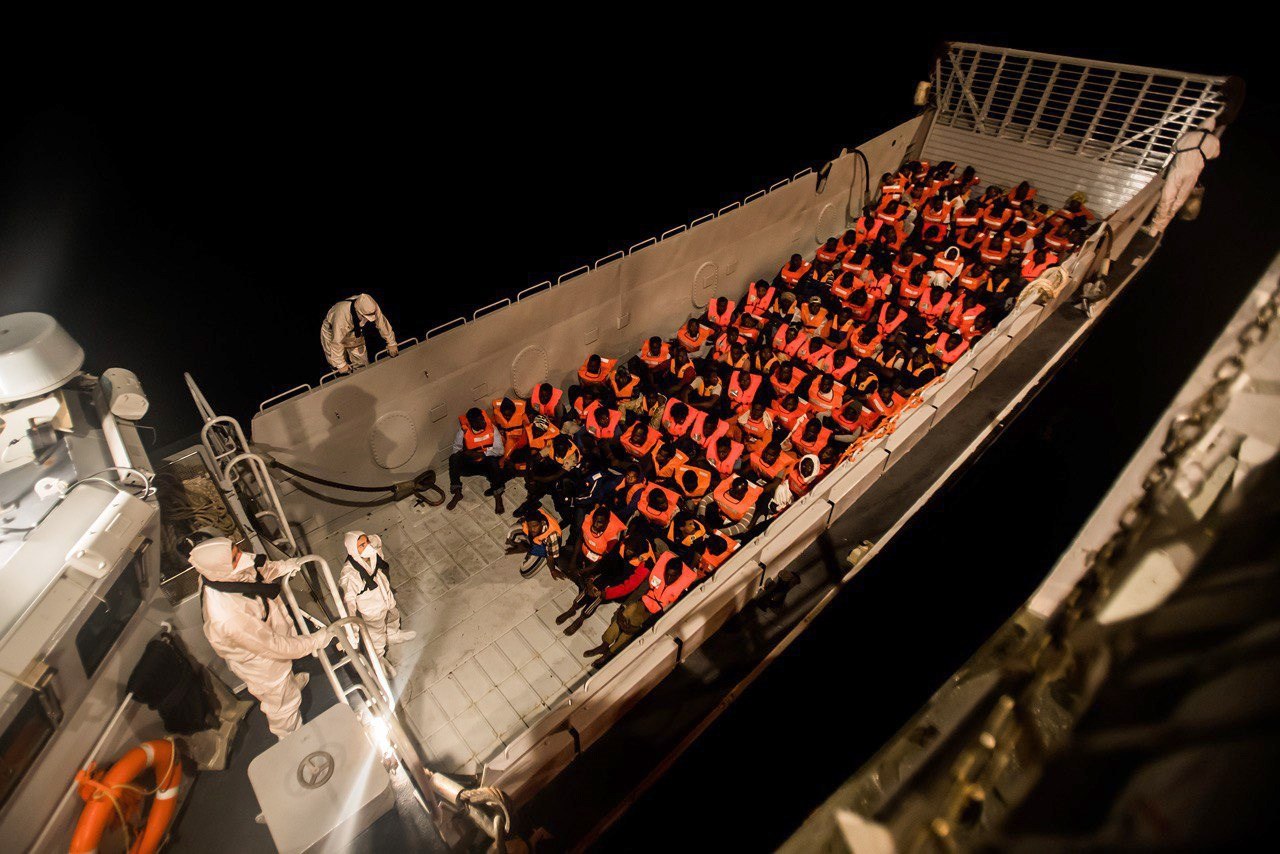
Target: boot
<point x="600" y="650"/>
<point x="453" y="501"/>
<point x="497" y="504"/>
<point x="301" y="679"/>
<point x="400" y="636"/>
<point x="573" y="609"/>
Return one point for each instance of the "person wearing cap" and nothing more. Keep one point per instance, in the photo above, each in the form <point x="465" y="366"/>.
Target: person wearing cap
<point x="247" y="624"/>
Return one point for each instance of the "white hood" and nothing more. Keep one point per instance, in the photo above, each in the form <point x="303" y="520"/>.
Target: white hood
<point x="212" y="559"/>
<point x="366" y="307"/>
<point x="350" y="539"/>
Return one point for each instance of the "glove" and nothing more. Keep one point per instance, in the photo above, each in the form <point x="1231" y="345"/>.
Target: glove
<point x="322" y="638"/>
<point x="344" y="369"/>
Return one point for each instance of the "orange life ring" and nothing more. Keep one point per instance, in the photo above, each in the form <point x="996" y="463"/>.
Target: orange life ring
<point x="114" y="796"/>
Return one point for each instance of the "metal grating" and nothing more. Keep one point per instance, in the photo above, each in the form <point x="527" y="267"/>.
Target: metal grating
<point x="1112" y="126"/>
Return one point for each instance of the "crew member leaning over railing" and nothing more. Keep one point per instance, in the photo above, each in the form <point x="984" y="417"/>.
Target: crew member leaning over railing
<point x="660" y="464"/>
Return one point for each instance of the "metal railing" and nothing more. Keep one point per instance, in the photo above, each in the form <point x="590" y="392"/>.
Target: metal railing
<point x="1103" y="111"/>
<point x="496" y="307"/>
<point x="370" y="692"/>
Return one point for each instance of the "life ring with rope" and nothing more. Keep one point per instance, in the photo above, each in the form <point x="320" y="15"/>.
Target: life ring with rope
<point x="113" y="797"/>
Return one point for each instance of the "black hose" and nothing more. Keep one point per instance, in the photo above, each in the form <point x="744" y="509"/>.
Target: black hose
<point x="423" y="483"/>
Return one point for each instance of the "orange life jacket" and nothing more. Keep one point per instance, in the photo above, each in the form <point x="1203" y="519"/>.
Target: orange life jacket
<point x="972" y="282"/>
<point x="930" y="310"/>
<point x="610" y="428"/>
<point x="799" y="486"/>
<point x="813" y="351"/>
<point x="901" y="270"/>
<point x="887" y="326"/>
<point x="781" y="344"/>
<point x="963" y="318"/>
<point x="703" y="483"/>
<point x="736" y="510"/>
<point x="812" y="319"/>
<point x="758" y="433"/>
<point x="1031" y="269"/>
<point x="552" y="529"/>
<point x="843" y="286"/>
<point x="630" y="446"/>
<point x="675" y="429"/>
<point x="547" y="409"/>
<point x="662" y="595"/>
<point x="947" y="264"/>
<point x="758" y="305"/>
<point x="724" y="465"/>
<point x="655" y="360"/>
<point x="793" y="277"/>
<point x="623" y="392"/>
<point x="782" y="389"/>
<point x="477" y="440"/>
<point x="671" y="466"/>
<point x="993" y="255"/>
<point x="606" y="367"/>
<point x="698" y="432"/>
<point x="596" y="546"/>
<point x="825" y="402"/>
<point x="691" y="343"/>
<point x="828" y="256"/>
<point x="739" y="394"/>
<point x="889" y="409"/>
<point x="709" y="563"/>
<point x="650" y="513"/>
<point x="540" y="442"/>
<point x="855" y="262"/>
<point x="720" y="319"/>
<point x="788" y="418"/>
<point x="994" y="222"/>
<point x="949" y="354"/>
<point x="798" y="440"/>
<point x="769" y="472"/>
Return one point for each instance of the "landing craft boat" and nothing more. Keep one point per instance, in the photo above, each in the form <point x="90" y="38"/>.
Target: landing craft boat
<point x="492" y="707"/>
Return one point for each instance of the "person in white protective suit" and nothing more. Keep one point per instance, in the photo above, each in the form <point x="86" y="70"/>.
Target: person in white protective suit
<point x="246" y="624"/>
<point x="342" y="335"/>
<point x="366" y="590"/>
<point x="1193" y="150"/>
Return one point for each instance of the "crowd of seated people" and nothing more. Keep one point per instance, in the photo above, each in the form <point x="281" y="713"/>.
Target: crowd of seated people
<point x="659" y="466"/>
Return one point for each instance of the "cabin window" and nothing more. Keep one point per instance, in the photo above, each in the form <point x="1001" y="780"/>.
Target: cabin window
<point x="21" y="743"/>
<point x="107" y="622"/>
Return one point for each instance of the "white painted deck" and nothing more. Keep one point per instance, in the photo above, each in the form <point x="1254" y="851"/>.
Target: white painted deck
<point x="489" y="659"/>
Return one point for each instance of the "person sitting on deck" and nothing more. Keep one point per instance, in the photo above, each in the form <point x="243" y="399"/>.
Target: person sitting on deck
<point x="668" y="581"/>
<point x="477" y="450"/>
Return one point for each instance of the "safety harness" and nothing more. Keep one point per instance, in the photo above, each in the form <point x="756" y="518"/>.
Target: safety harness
<point x="370" y="578"/>
<point x="263" y="590"/>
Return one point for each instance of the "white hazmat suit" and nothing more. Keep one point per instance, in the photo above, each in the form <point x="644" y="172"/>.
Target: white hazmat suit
<point x="340" y="334"/>
<point x="1191" y="152"/>
<point x="366" y="591"/>
<point x="252" y="632"/>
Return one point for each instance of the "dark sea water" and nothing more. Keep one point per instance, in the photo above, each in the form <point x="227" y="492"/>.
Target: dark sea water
<point x="205" y="219"/>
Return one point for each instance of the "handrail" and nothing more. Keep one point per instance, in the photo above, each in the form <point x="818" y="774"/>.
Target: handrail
<point x="611" y="257"/>
<point x="259" y="468"/>
<point x="808" y="170"/>
<point x="493" y="306"/>
<point x="758" y="194"/>
<point x="400" y="345"/>
<point x="376" y="689"/>
<point x="778" y="186"/>
<point x="729" y="207"/>
<point x="648" y="241"/>
<point x="457" y="321"/>
<point x="672" y="232"/>
<point x="576" y="271"/>
<point x="330" y="377"/>
<point x="206" y="432"/>
<point x="533" y="289"/>
<point x="270" y="400"/>
<point x="700" y="220"/>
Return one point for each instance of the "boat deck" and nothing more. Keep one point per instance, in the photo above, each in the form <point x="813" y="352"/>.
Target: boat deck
<point x="489" y="659"/>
